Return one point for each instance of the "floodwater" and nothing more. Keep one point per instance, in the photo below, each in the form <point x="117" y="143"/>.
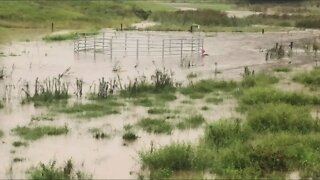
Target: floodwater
<point x="111" y="158"/>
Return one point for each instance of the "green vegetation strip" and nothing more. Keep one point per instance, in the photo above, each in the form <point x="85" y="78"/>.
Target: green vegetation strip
<point x="34" y="133"/>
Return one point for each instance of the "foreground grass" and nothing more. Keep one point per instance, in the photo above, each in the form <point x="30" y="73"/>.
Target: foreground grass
<point x="50" y="171"/>
<point x="34" y="133"/>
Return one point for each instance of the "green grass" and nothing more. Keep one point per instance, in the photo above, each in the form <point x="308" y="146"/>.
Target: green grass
<point x="43" y="117"/>
<point x="158" y="110"/>
<point x="1" y="133"/>
<point x="199" y="89"/>
<point x="34" y="133"/>
<point x="98" y="133"/>
<point x="90" y="110"/>
<point x="19" y="143"/>
<point x="263" y="95"/>
<point x="194" y="121"/>
<point x="281" y="117"/>
<point x="311" y="78"/>
<point x="260" y="79"/>
<point x="129" y="133"/>
<point x="173" y="157"/>
<point x="51" y="171"/>
<point x="155" y="125"/>
<point x="282" y="69"/>
<point x="66" y="36"/>
<point x="214" y="100"/>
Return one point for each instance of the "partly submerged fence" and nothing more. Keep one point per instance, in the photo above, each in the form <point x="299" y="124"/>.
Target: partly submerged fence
<point x="139" y="44"/>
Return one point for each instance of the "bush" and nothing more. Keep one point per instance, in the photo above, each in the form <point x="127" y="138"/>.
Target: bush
<point x="281" y="117"/>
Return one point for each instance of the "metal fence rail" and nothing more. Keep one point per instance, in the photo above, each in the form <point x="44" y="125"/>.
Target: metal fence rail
<point x="140" y="44"/>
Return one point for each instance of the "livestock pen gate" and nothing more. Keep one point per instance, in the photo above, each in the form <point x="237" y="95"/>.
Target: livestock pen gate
<point x="139" y="44"/>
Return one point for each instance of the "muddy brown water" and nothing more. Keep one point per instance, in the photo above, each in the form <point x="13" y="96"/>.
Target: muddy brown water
<point x="109" y="158"/>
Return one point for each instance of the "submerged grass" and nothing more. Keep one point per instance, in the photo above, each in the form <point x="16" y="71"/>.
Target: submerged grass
<point x="19" y="143"/>
<point x="155" y="125"/>
<point x="34" y="133"/>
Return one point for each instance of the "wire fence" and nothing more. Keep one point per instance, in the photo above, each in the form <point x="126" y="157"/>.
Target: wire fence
<point x="124" y="44"/>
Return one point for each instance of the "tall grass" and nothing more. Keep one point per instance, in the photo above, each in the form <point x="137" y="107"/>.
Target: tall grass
<point x="260" y="79"/>
<point x="194" y="121"/>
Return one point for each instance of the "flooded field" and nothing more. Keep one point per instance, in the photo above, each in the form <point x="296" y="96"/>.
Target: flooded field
<point x="114" y="158"/>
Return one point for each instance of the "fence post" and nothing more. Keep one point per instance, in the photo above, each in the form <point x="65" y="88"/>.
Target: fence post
<point x="192" y="45"/>
<point x="199" y="54"/>
<point x="111" y="48"/>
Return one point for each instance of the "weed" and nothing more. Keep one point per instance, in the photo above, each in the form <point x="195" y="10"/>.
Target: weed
<point x="1" y="133"/>
<point x="34" y="133"/>
<point x="19" y="143"/>
<point x="155" y="125"/>
<point x="50" y="171"/>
